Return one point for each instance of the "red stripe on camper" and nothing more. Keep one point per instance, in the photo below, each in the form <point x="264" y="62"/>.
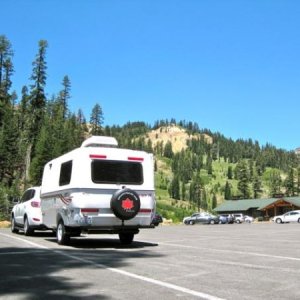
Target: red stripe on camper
<point x="136" y="158"/>
<point x="97" y="156"/>
<point x="65" y="200"/>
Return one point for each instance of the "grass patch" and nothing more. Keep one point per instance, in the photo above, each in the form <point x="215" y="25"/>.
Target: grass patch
<point x="4" y="224"/>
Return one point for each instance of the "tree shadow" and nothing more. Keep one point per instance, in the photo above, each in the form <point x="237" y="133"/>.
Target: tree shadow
<point x="34" y="273"/>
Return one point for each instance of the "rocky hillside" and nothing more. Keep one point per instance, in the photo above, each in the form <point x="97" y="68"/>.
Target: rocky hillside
<point x="176" y="135"/>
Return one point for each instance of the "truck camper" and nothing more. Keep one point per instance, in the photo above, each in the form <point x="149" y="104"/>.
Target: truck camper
<point x="98" y="188"/>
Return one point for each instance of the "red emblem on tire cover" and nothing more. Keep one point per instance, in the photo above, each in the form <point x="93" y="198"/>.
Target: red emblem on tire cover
<point x="127" y="204"/>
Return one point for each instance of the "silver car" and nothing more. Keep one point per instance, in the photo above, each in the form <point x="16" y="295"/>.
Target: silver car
<point x="204" y="218"/>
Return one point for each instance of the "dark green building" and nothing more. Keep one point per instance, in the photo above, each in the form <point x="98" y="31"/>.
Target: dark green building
<point x="259" y="207"/>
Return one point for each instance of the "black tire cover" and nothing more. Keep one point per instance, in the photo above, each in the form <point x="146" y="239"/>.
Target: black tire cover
<point x="125" y="204"/>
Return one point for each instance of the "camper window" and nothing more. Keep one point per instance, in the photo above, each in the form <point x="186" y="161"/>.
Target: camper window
<point x="117" y="172"/>
<point x="65" y="173"/>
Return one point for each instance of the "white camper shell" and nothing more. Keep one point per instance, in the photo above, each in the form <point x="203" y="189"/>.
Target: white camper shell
<point x="98" y="188"/>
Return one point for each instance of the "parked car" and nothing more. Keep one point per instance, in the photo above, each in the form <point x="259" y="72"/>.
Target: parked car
<point x="291" y="216"/>
<point x="26" y="215"/>
<point x="204" y="218"/>
<point x="223" y="219"/>
<point x="157" y="219"/>
<point x="238" y="218"/>
<point x="229" y="218"/>
<point x="248" y="219"/>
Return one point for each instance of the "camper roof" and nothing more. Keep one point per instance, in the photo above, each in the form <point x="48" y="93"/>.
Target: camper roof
<point x="100" y="141"/>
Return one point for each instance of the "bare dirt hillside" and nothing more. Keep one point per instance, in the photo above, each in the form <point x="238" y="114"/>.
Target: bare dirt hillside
<point x="176" y="135"/>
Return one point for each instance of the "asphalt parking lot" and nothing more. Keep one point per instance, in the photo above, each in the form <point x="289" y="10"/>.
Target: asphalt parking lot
<point x="230" y="261"/>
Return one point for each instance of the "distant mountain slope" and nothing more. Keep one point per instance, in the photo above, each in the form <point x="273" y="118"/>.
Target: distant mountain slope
<point x="176" y="135"/>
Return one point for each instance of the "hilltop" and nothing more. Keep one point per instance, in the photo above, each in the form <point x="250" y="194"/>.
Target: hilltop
<point x="176" y="135"/>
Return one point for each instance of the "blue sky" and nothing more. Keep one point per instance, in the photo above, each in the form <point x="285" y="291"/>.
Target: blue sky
<point x="230" y="66"/>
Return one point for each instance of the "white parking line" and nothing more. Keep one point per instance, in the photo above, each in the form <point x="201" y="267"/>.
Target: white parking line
<point x="22" y="240"/>
<point x="253" y="266"/>
<point x="232" y="251"/>
<point x="122" y="272"/>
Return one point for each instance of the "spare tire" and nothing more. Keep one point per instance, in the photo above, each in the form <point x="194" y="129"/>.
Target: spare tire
<point x="125" y="204"/>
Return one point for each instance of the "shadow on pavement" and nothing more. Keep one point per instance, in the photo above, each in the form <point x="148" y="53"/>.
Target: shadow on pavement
<point x="35" y="273"/>
<point x="102" y="243"/>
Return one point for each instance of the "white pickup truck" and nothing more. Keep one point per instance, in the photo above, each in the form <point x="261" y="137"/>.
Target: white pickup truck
<point x="98" y="188"/>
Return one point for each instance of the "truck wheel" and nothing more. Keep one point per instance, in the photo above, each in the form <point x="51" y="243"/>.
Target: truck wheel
<point x="126" y="238"/>
<point x="27" y="229"/>
<point x="61" y="236"/>
<point x="125" y="204"/>
<point x="13" y="225"/>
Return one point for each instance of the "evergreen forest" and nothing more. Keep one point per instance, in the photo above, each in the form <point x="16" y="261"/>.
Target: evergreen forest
<point x="35" y="128"/>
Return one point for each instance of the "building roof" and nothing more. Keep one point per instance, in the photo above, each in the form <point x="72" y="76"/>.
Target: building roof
<point x="259" y="204"/>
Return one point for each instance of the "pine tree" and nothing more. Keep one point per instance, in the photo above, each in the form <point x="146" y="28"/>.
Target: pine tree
<point x="23" y="110"/>
<point x="168" y="152"/>
<point x="227" y="195"/>
<point x="243" y="178"/>
<point x="42" y="156"/>
<point x="298" y="180"/>
<point x="256" y="186"/>
<point x="149" y="146"/>
<point x="96" y="120"/>
<point x="64" y="96"/>
<point x="229" y="172"/>
<point x="289" y="183"/>
<point x="9" y="133"/>
<point x="4" y="204"/>
<point x="272" y="179"/>
<point x="74" y="132"/>
<point x="6" y="70"/>
<point x="37" y="92"/>
<point x="183" y="191"/>
<point x="56" y="127"/>
<point x="174" y="190"/>
<point x="209" y="165"/>
<point x="214" y="201"/>
<point x="204" y="200"/>
<point x="80" y="117"/>
<point x="196" y="188"/>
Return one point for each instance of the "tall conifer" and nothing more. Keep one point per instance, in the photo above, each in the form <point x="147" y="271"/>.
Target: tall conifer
<point x="37" y="92"/>
<point x="96" y="120"/>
